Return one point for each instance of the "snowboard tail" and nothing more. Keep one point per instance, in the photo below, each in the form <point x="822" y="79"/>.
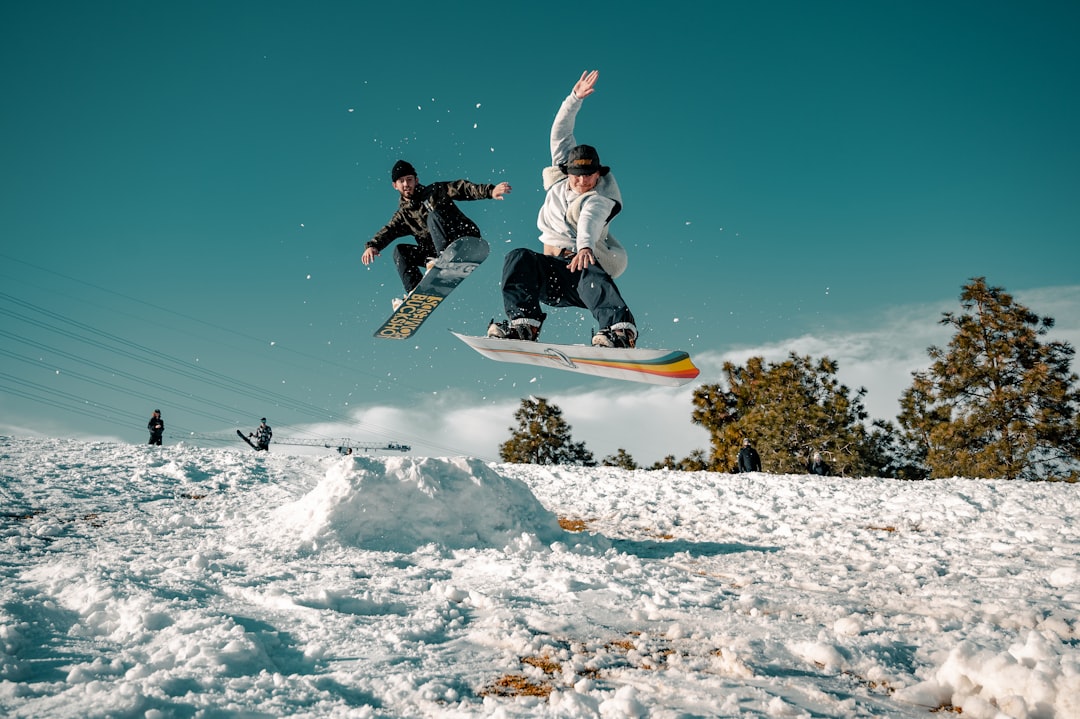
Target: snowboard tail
<point x="671" y="368"/>
<point x="451" y="268"/>
<point x="244" y="437"/>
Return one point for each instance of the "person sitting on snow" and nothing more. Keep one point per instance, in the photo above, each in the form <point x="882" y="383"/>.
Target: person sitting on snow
<point x="262" y="436"/>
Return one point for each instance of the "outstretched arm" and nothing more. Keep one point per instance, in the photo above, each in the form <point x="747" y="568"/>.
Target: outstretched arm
<point x="391" y="231"/>
<point x="562" y="130"/>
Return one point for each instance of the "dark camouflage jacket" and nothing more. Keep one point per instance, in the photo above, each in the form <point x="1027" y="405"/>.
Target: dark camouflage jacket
<point x="412" y="214"/>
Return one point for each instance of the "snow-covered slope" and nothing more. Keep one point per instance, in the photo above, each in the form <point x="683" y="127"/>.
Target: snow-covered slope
<point x="178" y="582"/>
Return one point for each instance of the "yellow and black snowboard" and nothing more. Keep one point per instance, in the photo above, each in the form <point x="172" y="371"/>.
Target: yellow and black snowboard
<point x="454" y="264"/>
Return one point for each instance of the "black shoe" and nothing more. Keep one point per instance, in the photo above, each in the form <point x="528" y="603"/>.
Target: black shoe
<point x="519" y="329"/>
<point x="499" y="330"/>
<point x="624" y="336"/>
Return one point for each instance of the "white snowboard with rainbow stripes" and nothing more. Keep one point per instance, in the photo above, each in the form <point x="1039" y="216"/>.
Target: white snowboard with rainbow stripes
<point x="651" y="366"/>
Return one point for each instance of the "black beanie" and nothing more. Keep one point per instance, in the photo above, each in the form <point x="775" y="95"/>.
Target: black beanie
<point x="401" y="169"/>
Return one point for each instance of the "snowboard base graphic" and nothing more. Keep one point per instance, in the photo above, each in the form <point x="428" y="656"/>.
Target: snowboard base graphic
<point x="451" y="268"/>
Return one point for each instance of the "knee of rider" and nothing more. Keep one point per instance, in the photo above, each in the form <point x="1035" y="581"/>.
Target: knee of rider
<point x="518" y="254"/>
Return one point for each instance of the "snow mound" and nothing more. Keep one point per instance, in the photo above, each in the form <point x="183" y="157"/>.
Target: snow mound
<point x="400" y="504"/>
<point x="1035" y="679"/>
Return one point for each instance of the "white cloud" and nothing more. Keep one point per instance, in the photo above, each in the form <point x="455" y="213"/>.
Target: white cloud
<point x="881" y="360"/>
<point x="446" y="425"/>
<point x="648" y="422"/>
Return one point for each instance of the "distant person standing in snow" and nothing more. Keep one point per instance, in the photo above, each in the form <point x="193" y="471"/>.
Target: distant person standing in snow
<point x="818" y="466"/>
<point x="749" y="460"/>
<point x="428" y="213"/>
<point x="580" y="259"/>
<point x="156" y="425"/>
<point x="262" y="436"/>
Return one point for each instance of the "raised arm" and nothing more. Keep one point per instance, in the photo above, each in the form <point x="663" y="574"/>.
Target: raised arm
<point x="562" y="130"/>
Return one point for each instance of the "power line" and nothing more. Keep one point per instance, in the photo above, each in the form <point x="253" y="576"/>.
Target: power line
<point x="74" y="403"/>
<point x="183" y="368"/>
<point x="110" y="385"/>
<point x="231" y="331"/>
<point x="114" y="344"/>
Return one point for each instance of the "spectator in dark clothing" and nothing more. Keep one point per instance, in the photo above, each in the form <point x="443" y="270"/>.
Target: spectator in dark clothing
<point x="428" y="213"/>
<point x="156" y="425"/>
<point x="818" y="466"/>
<point x="749" y="460"/>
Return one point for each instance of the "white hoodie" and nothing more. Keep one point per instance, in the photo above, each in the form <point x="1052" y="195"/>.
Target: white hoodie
<point x="572" y="221"/>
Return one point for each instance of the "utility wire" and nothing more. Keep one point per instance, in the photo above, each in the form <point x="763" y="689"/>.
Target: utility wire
<point x="118" y="388"/>
<point x="142" y="354"/>
<point x="232" y="331"/>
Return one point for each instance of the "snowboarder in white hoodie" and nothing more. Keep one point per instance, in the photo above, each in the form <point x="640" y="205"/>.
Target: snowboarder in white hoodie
<point x="580" y="258"/>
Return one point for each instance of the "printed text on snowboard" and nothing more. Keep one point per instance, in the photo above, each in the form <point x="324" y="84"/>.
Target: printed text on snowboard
<point x="410" y="315"/>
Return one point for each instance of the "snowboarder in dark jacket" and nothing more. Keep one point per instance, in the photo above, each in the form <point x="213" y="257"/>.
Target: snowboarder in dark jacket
<point x="749" y="460"/>
<point x="262" y="436"/>
<point x="428" y="213"/>
<point x="156" y="425"/>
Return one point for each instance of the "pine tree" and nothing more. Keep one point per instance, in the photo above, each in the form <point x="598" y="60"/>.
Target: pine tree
<point x="886" y="454"/>
<point x="998" y="402"/>
<point x="621" y="459"/>
<point x="791" y="409"/>
<point x="543" y="437"/>
<point x="667" y="462"/>
<point x="696" y="461"/>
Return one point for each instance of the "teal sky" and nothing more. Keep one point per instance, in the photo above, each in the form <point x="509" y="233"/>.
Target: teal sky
<point x="187" y="188"/>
